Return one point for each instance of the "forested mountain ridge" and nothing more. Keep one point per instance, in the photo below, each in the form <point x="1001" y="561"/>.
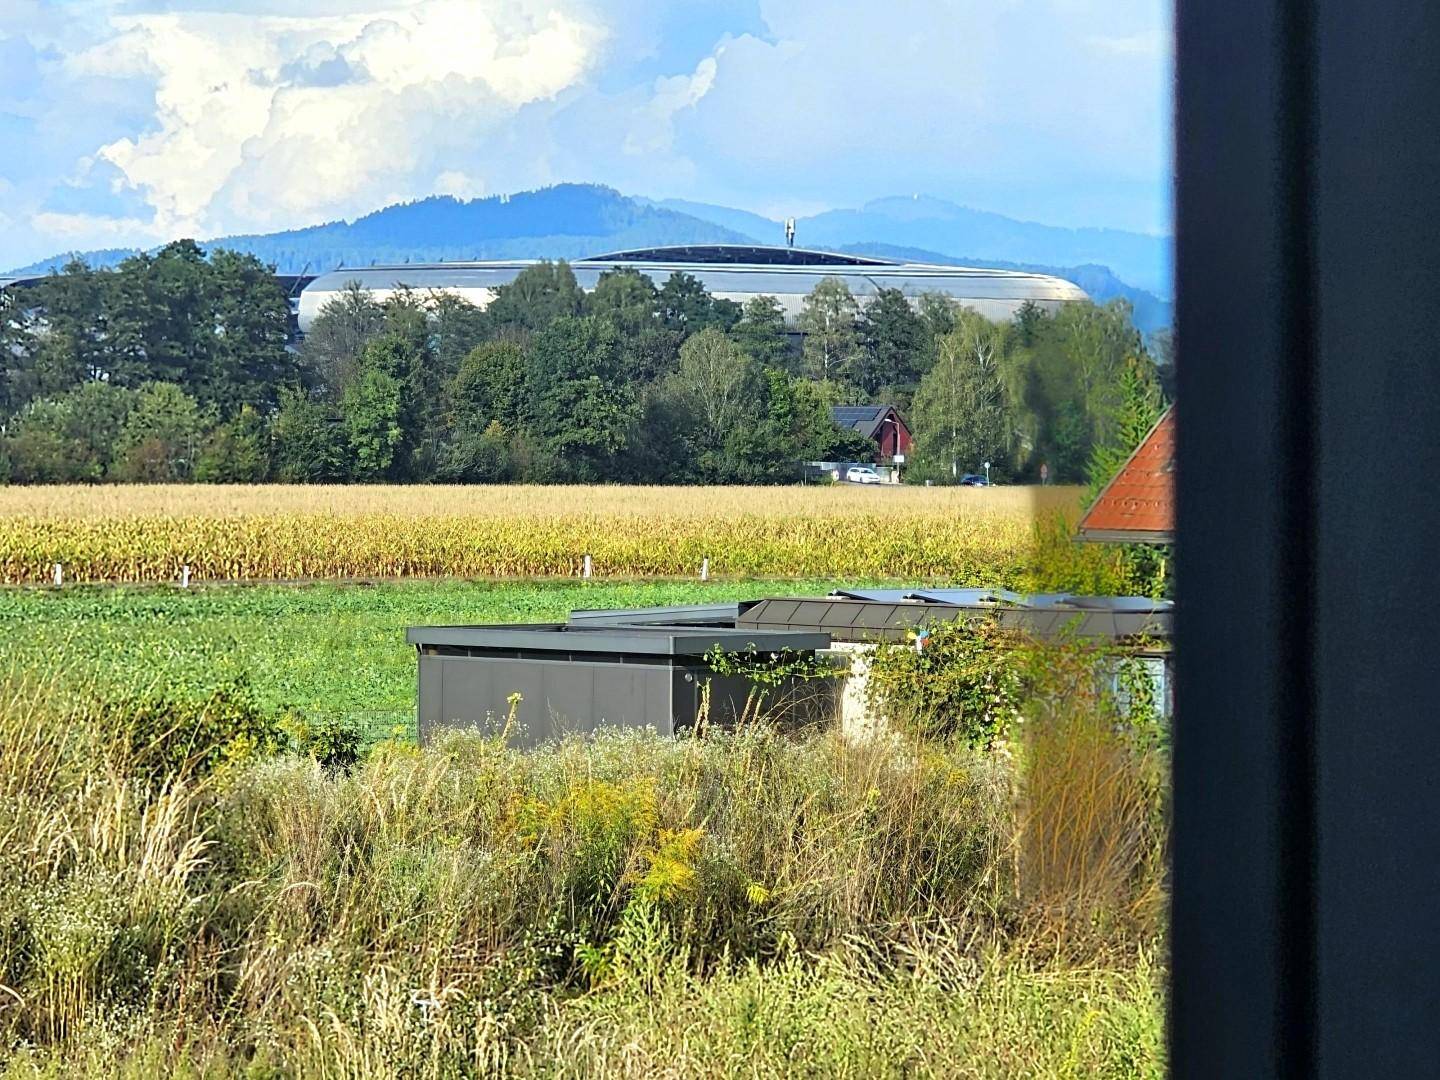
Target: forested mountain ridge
<point x="574" y="220"/>
<point x="568" y="221"/>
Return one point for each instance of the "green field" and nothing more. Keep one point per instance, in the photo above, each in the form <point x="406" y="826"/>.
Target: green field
<point x="753" y="903"/>
<point x="329" y="650"/>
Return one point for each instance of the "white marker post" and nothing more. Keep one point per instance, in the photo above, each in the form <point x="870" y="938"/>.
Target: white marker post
<point x="59" y="574"/>
<point x="185" y="577"/>
<point x="589" y="567"/>
<point x="704" y="569"/>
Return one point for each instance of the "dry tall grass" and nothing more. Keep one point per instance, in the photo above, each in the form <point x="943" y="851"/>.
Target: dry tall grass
<point x="633" y="906"/>
<point x="141" y="534"/>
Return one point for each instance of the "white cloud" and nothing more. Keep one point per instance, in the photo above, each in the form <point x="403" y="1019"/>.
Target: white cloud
<point x="78" y="231"/>
<point x="1001" y="105"/>
<point x="652" y="129"/>
<point x="459" y="184"/>
<point x="263" y="121"/>
<point x="209" y="117"/>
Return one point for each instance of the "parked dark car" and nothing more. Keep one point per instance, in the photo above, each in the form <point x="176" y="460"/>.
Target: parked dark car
<point x="974" y="480"/>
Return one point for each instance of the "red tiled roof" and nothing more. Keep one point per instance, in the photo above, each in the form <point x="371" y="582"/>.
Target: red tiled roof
<point x="1138" y="505"/>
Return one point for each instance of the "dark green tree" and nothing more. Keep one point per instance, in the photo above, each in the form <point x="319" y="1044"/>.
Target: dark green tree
<point x="686" y="306"/>
<point x="490" y="386"/>
<point x="161" y="321"/>
<point x="628" y="299"/>
<point x="68" y="316"/>
<point x="236" y="452"/>
<point x="330" y="353"/>
<point x="1163" y="342"/>
<point x="249" y="360"/>
<point x="12" y="348"/>
<point x="1066" y="386"/>
<point x="791" y="425"/>
<point x="1140" y="407"/>
<point x="539" y="295"/>
<point x="1029" y="318"/>
<point x="457" y="327"/>
<point x="582" y="407"/>
<point x="484" y="456"/>
<point x="897" y="347"/>
<point x="762" y="333"/>
<point x="309" y="443"/>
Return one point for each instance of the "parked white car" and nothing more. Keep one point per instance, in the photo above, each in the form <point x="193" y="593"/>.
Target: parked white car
<point x="863" y="474"/>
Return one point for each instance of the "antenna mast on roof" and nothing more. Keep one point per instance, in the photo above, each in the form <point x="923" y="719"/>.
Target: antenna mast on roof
<point x="790" y="232"/>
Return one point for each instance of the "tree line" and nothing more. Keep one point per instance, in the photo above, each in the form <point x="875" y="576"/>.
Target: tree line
<point x="177" y="366"/>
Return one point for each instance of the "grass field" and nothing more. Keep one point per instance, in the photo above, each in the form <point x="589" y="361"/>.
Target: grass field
<point x="146" y="534"/>
<point x="749" y="904"/>
<point x="331" y="650"/>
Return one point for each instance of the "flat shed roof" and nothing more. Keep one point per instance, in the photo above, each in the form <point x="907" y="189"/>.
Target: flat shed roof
<point x="626" y="638"/>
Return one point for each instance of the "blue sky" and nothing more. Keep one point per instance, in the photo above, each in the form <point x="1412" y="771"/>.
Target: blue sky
<point x="130" y="122"/>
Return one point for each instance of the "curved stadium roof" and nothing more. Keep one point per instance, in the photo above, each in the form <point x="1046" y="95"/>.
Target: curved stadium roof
<point x="729" y="271"/>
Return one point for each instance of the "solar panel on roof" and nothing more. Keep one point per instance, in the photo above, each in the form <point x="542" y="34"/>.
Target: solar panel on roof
<point x="848" y="413"/>
<point x="878" y="596"/>
<point x="968" y="597"/>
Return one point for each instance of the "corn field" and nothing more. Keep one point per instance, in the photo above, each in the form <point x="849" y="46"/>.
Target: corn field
<point x="260" y="533"/>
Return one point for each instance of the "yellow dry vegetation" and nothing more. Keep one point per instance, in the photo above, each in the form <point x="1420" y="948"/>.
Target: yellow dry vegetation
<point x="255" y="533"/>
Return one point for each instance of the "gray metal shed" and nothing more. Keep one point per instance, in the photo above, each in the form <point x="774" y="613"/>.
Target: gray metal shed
<point x="888" y="614"/>
<point x="581" y="676"/>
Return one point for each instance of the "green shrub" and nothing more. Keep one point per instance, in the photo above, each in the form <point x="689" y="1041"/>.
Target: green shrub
<point x="162" y="738"/>
<point x="953" y="680"/>
<point x="332" y="742"/>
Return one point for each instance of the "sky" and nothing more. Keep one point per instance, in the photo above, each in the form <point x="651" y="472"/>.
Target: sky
<point x="127" y="123"/>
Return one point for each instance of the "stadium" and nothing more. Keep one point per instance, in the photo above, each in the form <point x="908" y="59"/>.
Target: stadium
<point x="728" y="271"/>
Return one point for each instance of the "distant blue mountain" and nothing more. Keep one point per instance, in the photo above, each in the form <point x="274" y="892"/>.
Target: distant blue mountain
<point x="934" y="225"/>
<point x="567" y="221"/>
<point x="570" y="221"/>
<point x="762" y="230"/>
<point x="101" y="258"/>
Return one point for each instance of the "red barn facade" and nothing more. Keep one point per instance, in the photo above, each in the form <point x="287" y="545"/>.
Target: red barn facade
<point x="882" y="424"/>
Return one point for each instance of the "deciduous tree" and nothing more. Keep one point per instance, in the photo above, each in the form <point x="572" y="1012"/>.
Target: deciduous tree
<point x="832" y="336"/>
<point x="961" y="413"/>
